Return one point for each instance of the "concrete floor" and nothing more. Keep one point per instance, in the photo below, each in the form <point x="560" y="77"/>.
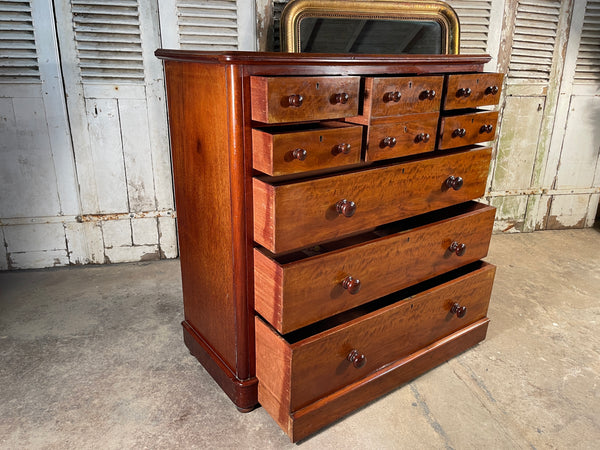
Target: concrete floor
<point x="92" y="357"/>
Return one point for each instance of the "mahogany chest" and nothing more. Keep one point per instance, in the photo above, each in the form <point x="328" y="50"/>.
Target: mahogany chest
<point x="330" y="245"/>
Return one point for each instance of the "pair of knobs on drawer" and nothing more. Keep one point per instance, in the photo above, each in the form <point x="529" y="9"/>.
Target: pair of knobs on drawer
<point x="395" y="96"/>
<point x="466" y="92"/>
<point x="359" y="359"/>
<point x="390" y="141"/>
<point x="300" y="154"/>
<point x="461" y="132"/>
<point x="296" y="100"/>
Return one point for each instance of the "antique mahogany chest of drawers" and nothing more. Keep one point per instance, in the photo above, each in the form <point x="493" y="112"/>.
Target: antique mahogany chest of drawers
<point x="330" y="245"/>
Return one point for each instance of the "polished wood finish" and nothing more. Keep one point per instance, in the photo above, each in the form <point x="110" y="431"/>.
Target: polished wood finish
<point x="284" y="151"/>
<point x="306" y="214"/>
<point x="227" y="113"/>
<point x="296" y="99"/>
<point x="394" y="96"/>
<point x="471" y="91"/>
<point x="411" y="135"/>
<point x="477" y="127"/>
<point x="294" y="294"/>
<point x="318" y="365"/>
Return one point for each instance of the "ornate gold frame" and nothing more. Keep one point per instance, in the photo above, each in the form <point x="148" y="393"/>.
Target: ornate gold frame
<point x="437" y="11"/>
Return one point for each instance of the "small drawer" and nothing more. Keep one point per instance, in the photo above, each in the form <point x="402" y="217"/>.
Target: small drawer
<point x="296" y="290"/>
<point x="467" y="129"/>
<point x="473" y="90"/>
<point x="295" y="215"/>
<point x="402" y="95"/>
<point x="406" y="135"/>
<point x="300" y="368"/>
<point x="281" y="151"/>
<point x="300" y="99"/>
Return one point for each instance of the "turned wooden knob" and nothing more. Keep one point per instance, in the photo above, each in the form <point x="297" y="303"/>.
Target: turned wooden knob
<point x="342" y="148"/>
<point x="351" y="284"/>
<point x="460" y="311"/>
<point x="491" y="90"/>
<point x="422" y="137"/>
<point x="486" y="128"/>
<point x="357" y="358"/>
<point x="388" y="141"/>
<point x="345" y="208"/>
<point x="299" y="154"/>
<point x="392" y="97"/>
<point x="342" y="98"/>
<point x="463" y="92"/>
<point x="295" y="100"/>
<point x="428" y="94"/>
<point x="459" y="132"/>
<point x="458" y="248"/>
<point x="454" y="182"/>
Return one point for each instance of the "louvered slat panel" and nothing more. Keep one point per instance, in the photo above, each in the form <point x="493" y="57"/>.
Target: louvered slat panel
<point x="474" y="17"/>
<point x="18" y="54"/>
<point x="207" y="25"/>
<point x="107" y="35"/>
<point x="587" y="69"/>
<point x="534" y="38"/>
<point x="278" y="6"/>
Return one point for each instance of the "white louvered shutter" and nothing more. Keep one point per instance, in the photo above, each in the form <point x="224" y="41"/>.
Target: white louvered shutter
<point x="107" y="37"/>
<point x="207" y="25"/>
<point x="474" y="17"/>
<point x="18" y="54"/>
<point x="587" y="70"/>
<point x="534" y="41"/>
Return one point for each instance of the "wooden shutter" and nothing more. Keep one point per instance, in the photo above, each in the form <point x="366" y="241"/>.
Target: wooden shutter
<point x="587" y="69"/>
<point x="534" y="40"/>
<point x="474" y="16"/>
<point x="107" y="37"/>
<point x="207" y="25"/>
<point x="18" y="55"/>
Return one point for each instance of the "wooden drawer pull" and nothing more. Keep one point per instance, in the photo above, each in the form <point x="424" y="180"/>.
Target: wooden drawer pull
<point x="342" y="148"/>
<point x="392" y="97"/>
<point x="463" y="92"/>
<point x="453" y="182"/>
<point x="428" y="94"/>
<point x="351" y="284"/>
<point x="357" y="359"/>
<point x="340" y="98"/>
<point x="422" y="137"/>
<point x="491" y="90"/>
<point x="388" y="141"/>
<point x="458" y="248"/>
<point x="486" y="128"/>
<point x="295" y="100"/>
<point x="460" y="311"/>
<point x="345" y="208"/>
<point x="459" y="132"/>
<point x="299" y="154"/>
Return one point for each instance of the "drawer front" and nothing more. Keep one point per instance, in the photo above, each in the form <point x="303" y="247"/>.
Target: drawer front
<point x="296" y="215"/>
<point x="473" y="90"/>
<point x="308" y="369"/>
<point x="408" y="135"/>
<point x="467" y="129"/>
<point x="281" y="153"/>
<point x="297" y="99"/>
<point x="402" y="95"/>
<point x="293" y="295"/>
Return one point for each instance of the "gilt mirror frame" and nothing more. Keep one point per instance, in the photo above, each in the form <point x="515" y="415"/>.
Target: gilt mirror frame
<point x="388" y="10"/>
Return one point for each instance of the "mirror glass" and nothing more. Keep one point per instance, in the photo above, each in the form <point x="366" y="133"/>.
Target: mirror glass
<point x="354" y="35"/>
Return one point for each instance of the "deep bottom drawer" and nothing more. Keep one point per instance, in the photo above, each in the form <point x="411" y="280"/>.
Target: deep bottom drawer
<point x="301" y="370"/>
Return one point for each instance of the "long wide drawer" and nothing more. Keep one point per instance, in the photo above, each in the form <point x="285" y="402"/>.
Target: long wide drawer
<point x="309" y="364"/>
<point x="296" y="290"/>
<point x="294" y="215"/>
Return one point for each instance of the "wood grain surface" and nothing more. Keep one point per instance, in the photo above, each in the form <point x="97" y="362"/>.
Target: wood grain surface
<point x="295" y="294"/>
<point x="472" y="123"/>
<point x="295" y="215"/>
<point x="478" y="83"/>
